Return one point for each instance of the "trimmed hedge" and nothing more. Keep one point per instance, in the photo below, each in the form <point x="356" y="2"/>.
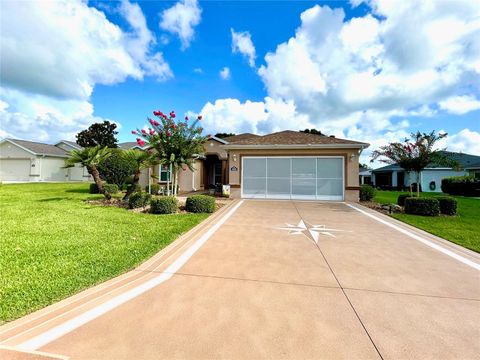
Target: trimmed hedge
<point x="401" y="199"/>
<point x="164" y="205"/>
<point x="448" y="205"/>
<point x="138" y="199"/>
<point x="200" y="204"/>
<point x="422" y="206"/>
<point x="111" y="188"/>
<point x="94" y="189"/>
<point x="367" y="192"/>
<point x="154" y="189"/>
<point x="461" y="185"/>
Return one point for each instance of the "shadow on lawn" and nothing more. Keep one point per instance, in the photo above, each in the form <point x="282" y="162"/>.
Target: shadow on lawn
<point x="78" y="191"/>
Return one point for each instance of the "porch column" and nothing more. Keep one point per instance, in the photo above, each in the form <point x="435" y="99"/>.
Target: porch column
<point x="394" y="179"/>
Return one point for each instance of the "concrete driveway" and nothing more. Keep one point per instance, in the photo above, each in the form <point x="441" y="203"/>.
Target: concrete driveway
<point x="277" y="280"/>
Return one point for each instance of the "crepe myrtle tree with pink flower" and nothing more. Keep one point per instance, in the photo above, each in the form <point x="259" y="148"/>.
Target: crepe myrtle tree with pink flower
<point x="176" y="142"/>
<point x="415" y="154"/>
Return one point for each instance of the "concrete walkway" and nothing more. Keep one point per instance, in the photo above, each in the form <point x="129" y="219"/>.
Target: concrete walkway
<point x="277" y="280"/>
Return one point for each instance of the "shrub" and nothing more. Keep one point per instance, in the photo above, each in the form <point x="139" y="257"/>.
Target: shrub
<point x="154" y="189"/>
<point x="422" y="206"/>
<point x="116" y="169"/>
<point x="94" y="189"/>
<point x="401" y="199"/>
<point x="137" y="188"/>
<point x="164" y="205"/>
<point x="138" y="200"/>
<point x="111" y="188"/>
<point x="448" y="205"/>
<point x="367" y="192"/>
<point x="461" y="185"/>
<point x="200" y="204"/>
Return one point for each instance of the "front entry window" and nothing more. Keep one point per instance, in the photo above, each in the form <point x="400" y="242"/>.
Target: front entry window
<point x="164" y="173"/>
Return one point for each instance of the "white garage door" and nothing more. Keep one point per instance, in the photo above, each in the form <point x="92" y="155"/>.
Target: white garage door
<point x="14" y="170"/>
<point x="311" y="178"/>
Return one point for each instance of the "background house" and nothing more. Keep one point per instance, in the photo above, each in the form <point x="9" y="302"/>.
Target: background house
<point x="393" y="176"/>
<point x="28" y="161"/>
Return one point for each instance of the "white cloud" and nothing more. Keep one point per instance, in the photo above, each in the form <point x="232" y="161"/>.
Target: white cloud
<point x="64" y="48"/>
<point x="225" y="73"/>
<point x="466" y="141"/>
<point x="230" y="115"/>
<point x="53" y="55"/>
<point x="242" y="43"/>
<point x="180" y="19"/>
<point x="418" y="54"/>
<point x="198" y="70"/>
<point x="40" y="118"/>
<point x="460" y="104"/>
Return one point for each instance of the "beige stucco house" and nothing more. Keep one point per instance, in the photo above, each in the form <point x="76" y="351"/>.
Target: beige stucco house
<point x="282" y="165"/>
<point x="28" y="161"/>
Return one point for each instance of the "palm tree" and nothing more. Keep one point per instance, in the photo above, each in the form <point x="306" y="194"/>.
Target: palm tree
<point x="91" y="157"/>
<point x="142" y="160"/>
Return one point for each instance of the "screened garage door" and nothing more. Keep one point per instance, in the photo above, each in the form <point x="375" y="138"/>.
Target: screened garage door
<point x="310" y="178"/>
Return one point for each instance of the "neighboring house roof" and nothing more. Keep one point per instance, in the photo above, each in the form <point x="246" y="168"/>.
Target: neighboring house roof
<point x="220" y="140"/>
<point x="473" y="166"/>
<point x="39" y="148"/>
<point x="466" y="161"/>
<point x="128" y="145"/>
<point x="290" y="138"/>
<point x="73" y="144"/>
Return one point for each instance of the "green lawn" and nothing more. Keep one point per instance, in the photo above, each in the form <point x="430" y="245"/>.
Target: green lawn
<point x="53" y="244"/>
<point x="463" y="229"/>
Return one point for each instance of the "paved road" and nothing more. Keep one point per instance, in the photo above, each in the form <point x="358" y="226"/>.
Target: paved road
<point x="277" y="280"/>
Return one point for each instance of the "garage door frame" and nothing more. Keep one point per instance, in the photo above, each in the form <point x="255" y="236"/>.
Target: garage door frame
<point x="294" y="197"/>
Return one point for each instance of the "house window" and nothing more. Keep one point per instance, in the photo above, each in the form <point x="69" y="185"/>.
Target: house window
<point x="164" y="173"/>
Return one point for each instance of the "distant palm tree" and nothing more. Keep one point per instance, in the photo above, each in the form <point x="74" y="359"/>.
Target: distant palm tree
<point x="91" y="157"/>
<point x="142" y="160"/>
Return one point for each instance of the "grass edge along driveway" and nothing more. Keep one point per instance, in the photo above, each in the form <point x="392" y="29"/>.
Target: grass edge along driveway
<point x="53" y="244"/>
<point x="462" y="229"/>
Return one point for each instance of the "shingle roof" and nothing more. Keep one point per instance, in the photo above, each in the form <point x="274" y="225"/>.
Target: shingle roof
<point x="289" y="137"/>
<point x="127" y="145"/>
<point x="466" y="161"/>
<point x="240" y="137"/>
<point x="71" y="143"/>
<point x="40" y="148"/>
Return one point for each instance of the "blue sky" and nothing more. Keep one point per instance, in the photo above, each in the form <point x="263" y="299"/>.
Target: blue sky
<point x="372" y="71"/>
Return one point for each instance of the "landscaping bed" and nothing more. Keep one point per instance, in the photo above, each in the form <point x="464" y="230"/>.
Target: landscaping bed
<point x="462" y="229"/>
<point x="53" y="243"/>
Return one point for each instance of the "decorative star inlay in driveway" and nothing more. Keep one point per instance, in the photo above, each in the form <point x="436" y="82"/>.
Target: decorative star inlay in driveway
<point x="312" y="232"/>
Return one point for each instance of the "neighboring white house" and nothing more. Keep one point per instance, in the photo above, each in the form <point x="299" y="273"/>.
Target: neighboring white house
<point x="394" y="177"/>
<point x="28" y="161"/>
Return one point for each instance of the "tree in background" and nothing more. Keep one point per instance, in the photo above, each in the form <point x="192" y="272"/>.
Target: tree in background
<point x="142" y="159"/>
<point x="116" y="168"/>
<point x="176" y="142"/>
<point x="414" y="154"/>
<point x="91" y="158"/>
<point x="98" y="134"/>
<point x="224" y="135"/>
<point x="312" y="131"/>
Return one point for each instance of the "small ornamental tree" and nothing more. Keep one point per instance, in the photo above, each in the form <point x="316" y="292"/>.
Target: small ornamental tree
<point x="141" y="160"/>
<point x="414" y="154"/>
<point x="176" y="142"/>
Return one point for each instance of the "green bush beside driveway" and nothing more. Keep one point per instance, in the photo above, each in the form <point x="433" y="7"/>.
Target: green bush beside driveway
<point x="462" y="229"/>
